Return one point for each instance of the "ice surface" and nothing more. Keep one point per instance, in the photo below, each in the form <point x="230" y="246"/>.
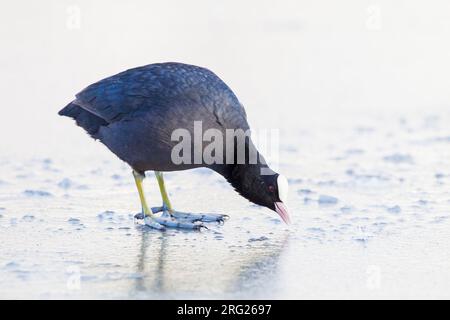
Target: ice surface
<point x="350" y="217"/>
<point x="362" y="117"/>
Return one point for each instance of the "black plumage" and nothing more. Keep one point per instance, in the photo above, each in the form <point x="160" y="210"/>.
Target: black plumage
<point x="138" y="109"/>
<point x="135" y="112"/>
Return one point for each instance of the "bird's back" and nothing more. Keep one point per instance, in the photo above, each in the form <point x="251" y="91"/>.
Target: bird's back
<point x="160" y="85"/>
<point x="153" y="100"/>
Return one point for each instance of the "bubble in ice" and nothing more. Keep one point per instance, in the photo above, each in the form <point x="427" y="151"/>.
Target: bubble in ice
<point x="28" y="218"/>
<point x="74" y="221"/>
<point x="346" y="209"/>
<point x="327" y="200"/>
<point x="37" y="193"/>
<point x="65" y="183"/>
<point x="106" y="215"/>
<point x="262" y="238"/>
<point x="398" y="158"/>
<point x="394" y="209"/>
<point x="422" y="202"/>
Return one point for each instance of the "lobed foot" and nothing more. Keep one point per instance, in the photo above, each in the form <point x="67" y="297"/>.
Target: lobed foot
<point x="203" y="217"/>
<point x="192" y="217"/>
<point x="174" y="223"/>
<point x="181" y="220"/>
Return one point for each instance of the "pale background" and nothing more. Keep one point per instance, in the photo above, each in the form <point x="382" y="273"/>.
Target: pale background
<point x="292" y="56"/>
<point x="359" y="90"/>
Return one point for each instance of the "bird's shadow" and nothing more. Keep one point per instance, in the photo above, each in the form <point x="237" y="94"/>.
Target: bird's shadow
<point x="203" y="267"/>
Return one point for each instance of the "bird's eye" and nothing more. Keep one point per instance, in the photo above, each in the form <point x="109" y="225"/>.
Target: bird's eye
<point x="271" y="188"/>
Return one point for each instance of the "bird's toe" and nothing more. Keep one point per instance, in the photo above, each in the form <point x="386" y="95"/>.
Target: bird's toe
<point x="151" y="222"/>
<point x="179" y="224"/>
<point x="139" y="216"/>
<point x="179" y="220"/>
<point x="158" y="209"/>
<point x="205" y="217"/>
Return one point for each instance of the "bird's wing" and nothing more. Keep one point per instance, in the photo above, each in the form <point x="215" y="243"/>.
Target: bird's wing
<point x="162" y="85"/>
<point x="117" y="96"/>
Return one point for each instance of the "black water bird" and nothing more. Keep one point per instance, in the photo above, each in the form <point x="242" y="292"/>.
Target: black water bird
<point x="135" y="113"/>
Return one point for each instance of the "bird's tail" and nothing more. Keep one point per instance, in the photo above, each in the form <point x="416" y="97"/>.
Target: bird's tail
<point x="88" y="121"/>
<point x="69" y="111"/>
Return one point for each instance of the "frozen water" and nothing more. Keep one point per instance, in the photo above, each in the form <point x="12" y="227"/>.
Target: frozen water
<point x="362" y="214"/>
<point x="363" y="119"/>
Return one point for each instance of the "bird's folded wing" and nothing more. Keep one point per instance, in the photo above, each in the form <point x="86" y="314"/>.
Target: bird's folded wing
<point x="162" y="86"/>
<point x="113" y="98"/>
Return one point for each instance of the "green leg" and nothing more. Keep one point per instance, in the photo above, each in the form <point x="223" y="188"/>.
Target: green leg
<point x="162" y="189"/>
<point x="169" y="218"/>
<point x="167" y="207"/>
<point x="139" y="178"/>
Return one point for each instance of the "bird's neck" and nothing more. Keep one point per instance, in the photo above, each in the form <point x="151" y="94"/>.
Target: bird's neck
<point x="241" y="176"/>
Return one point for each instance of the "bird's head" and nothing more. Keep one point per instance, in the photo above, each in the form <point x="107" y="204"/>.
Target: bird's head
<point x="268" y="190"/>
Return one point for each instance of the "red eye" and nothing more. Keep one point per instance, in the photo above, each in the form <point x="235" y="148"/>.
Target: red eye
<point x="271" y="188"/>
